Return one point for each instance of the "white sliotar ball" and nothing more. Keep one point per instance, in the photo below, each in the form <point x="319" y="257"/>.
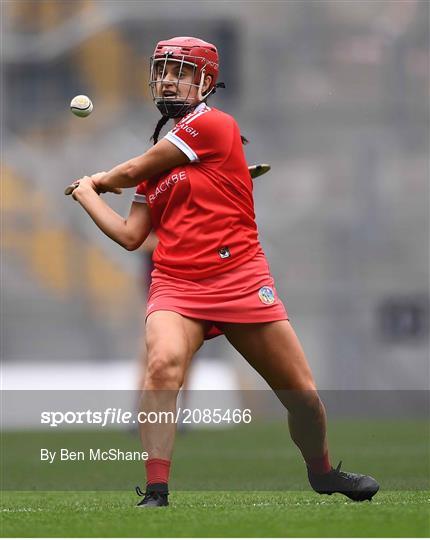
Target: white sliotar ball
<point x="81" y="106"/>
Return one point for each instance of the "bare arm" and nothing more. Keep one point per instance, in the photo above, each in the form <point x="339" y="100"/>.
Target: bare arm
<point x="164" y="156"/>
<point x="150" y="243"/>
<point x="129" y="233"/>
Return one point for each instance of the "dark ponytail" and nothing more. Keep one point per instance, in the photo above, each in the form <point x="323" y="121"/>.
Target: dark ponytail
<point x="161" y="123"/>
<point x="244" y="140"/>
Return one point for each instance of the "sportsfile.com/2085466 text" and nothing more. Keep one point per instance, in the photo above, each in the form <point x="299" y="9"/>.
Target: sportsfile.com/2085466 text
<point x="113" y="416"/>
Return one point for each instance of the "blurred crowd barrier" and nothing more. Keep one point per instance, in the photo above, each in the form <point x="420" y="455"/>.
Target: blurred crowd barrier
<point x="334" y="94"/>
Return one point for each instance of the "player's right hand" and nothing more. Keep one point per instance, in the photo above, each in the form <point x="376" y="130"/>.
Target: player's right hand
<point x="83" y="183"/>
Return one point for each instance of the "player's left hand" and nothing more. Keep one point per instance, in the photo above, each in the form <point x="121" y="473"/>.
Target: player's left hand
<point x="99" y="187"/>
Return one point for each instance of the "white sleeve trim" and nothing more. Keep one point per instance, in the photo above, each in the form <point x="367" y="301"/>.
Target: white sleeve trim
<point x="179" y="143"/>
<point x="138" y="197"/>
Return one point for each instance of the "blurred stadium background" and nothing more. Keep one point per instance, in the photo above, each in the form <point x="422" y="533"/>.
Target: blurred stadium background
<point x="334" y="94"/>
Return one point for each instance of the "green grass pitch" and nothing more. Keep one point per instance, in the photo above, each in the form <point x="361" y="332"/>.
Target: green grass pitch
<point x="244" y="481"/>
<point x="215" y="514"/>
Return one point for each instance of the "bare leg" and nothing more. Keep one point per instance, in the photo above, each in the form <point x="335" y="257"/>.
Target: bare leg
<point x="274" y="351"/>
<point x="171" y="341"/>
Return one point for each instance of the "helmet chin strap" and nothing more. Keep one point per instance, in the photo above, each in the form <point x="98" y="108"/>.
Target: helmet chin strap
<point x="200" y="95"/>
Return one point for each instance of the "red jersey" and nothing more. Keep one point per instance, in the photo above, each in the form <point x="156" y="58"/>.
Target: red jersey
<point x="203" y="212"/>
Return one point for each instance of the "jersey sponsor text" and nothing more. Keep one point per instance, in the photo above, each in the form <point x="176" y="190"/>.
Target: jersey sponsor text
<point x="167" y="184"/>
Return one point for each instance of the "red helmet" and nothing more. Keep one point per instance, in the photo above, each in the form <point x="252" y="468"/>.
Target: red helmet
<point x="202" y="56"/>
<point x="192" y="50"/>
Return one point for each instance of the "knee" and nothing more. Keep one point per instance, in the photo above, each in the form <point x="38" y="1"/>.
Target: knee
<point x="164" y="370"/>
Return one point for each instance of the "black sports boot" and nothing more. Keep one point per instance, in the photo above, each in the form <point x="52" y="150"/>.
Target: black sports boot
<point x="357" y="487"/>
<point x="156" y="495"/>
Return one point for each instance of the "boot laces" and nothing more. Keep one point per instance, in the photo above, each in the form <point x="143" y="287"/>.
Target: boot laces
<point x="148" y="495"/>
<point x="139" y="492"/>
<point x="350" y="477"/>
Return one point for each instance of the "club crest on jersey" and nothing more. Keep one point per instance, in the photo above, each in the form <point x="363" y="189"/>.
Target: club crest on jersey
<point x="224" y="252"/>
<point x="266" y="295"/>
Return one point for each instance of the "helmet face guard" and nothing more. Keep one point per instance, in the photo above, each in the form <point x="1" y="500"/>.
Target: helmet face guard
<point x="194" y="53"/>
<point x="174" y="106"/>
